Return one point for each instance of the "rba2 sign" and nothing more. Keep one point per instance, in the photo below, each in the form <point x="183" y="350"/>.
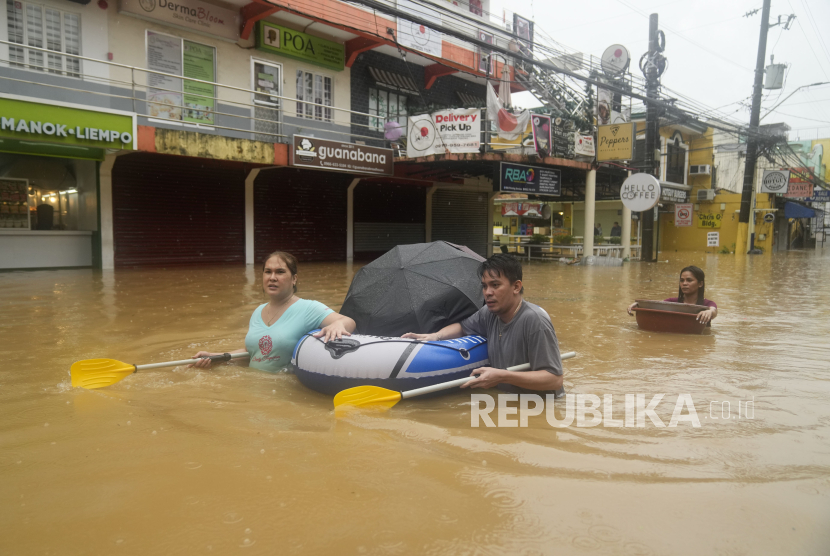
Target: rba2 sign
<point x="775" y="181"/>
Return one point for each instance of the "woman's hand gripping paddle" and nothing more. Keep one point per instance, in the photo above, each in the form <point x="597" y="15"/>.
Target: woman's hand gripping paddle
<point x="382" y="398"/>
<point x="98" y="373"/>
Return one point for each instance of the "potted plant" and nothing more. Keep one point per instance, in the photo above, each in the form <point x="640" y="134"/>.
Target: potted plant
<point x="537" y="239"/>
<point x="563" y="239"/>
<point x="616" y="240"/>
<point x="598" y="240"/>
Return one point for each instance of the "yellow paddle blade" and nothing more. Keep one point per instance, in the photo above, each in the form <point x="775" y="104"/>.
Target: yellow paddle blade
<point x="98" y="373"/>
<point x="367" y="396"/>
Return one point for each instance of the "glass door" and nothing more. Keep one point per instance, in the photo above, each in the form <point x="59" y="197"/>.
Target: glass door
<point x="267" y="82"/>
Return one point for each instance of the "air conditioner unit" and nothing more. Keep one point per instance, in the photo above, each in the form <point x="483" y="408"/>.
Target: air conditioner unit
<point x="700" y="170"/>
<point x="705" y="194"/>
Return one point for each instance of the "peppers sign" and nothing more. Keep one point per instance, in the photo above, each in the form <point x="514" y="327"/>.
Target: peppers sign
<point x="615" y="142"/>
<point x="63" y="125"/>
<point x="640" y="192"/>
<point x="300" y="46"/>
<point x="775" y="181"/>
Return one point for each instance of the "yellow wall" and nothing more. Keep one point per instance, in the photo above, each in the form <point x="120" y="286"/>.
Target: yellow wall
<point x="694" y="238"/>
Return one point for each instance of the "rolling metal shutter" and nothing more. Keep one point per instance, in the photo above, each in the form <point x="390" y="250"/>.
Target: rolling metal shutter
<point x="387" y="215"/>
<point x="171" y="210"/>
<point x="302" y="212"/>
<point x="461" y="217"/>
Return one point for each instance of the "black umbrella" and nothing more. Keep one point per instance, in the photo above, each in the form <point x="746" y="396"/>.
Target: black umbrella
<point x="415" y="288"/>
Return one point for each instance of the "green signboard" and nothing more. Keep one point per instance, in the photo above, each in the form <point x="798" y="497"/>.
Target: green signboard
<point x="199" y="98"/>
<point x="23" y="122"/>
<point x="294" y="44"/>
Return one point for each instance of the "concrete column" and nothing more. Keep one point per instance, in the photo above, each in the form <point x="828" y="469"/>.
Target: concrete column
<point x="105" y="210"/>
<point x="249" y="215"/>
<point x="428" y="216"/>
<point x="626" y="231"/>
<point x="490" y="196"/>
<point x="590" y="198"/>
<point x="350" y="220"/>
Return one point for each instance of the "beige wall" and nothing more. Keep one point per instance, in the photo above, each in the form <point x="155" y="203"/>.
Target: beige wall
<point x="233" y="61"/>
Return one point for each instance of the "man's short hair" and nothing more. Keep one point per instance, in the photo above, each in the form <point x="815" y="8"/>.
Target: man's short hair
<point x="504" y="265"/>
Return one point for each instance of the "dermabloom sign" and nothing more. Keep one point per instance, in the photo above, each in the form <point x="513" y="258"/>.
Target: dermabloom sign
<point x="640" y="192"/>
<point x="322" y="154"/>
<point x="190" y="14"/>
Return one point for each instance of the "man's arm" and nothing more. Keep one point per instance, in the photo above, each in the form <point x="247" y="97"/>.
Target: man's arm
<point x="488" y="377"/>
<point x="447" y="333"/>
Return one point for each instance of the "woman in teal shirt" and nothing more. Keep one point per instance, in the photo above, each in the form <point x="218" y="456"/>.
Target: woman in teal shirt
<point x="278" y="325"/>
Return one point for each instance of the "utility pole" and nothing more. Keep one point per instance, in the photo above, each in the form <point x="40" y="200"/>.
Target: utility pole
<point x="652" y="73"/>
<point x="747" y="210"/>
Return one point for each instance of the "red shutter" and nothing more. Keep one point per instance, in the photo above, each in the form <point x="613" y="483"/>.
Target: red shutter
<point x="302" y="212"/>
<point x="170" y="210"/>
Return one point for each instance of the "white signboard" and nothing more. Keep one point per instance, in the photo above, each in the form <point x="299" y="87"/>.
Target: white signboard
<point x="164" y="95"/>
<point x="416" y="36"/>
<point x="455" y="131"/>
<point x="640" y="192"/>
<point x="683" y="215"/>
<point x="775" y="181"/>
<point x="190" y="14"/>
<point x="584" y="145"/>
<point x="713" y="239"/>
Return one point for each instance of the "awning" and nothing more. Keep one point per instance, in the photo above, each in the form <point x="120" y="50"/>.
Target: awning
<point x="794" y="210"/>
<point x="396" y="81"/>
<point x="470" y="101"/>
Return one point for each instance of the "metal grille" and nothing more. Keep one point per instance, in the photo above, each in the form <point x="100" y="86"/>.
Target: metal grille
<point x="461" y="217"/>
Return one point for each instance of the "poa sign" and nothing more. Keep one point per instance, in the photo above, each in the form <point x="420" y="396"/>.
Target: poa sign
<point x="775" y="181"/>
<point x="640" y="192"/>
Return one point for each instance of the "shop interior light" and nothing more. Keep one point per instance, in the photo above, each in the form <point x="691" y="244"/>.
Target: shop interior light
<point x="71" y="191"/>
<point x="561" y="213"/>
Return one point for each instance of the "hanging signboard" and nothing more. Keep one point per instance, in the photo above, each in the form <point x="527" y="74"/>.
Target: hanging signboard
<point x="640" y="192"/>
<point x="416" y="36"/>
<point x="709" y="220"/>
<point x="683" y="215"/>
<point x="522" y="209"/>
<point x="190" y="14"/>
<point x="775" y="181"/>
<point x="454" y="131"/>
<point x="541" y="134"/>
<point x="322" y="154"/>
<point x="713" y="239"/>
<point x="564" y="143"/>
<point x="672" y="195"/>
<point x="800" y="184"/>
<point x="277" y="39"/>
<point x="820" y="196"/>
<point x="584" y="145"/>
<point x="615" y="142"/>
<point x="530" y="179"/>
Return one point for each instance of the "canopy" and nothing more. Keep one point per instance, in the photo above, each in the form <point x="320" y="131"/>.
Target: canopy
<point x="794" y="210"/>
<point x="421" y="288"/>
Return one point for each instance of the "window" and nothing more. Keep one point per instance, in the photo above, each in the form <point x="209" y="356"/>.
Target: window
<point x="386" y="106"/>
<point x="675" y="163"/>
<point x="43" y="27"/>
<point x="316" y="88"/>
<point x="168" y="97"/>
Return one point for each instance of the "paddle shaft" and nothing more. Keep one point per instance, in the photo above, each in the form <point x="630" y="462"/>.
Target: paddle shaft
<point x="222" y="357"/>
<point x="460" y="381"/>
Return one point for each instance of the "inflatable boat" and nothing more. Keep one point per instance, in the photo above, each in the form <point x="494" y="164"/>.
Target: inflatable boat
<point x="393" y="363"/>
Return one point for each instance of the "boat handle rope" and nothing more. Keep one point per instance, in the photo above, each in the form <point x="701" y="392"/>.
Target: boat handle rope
<point x="464" y="352"/>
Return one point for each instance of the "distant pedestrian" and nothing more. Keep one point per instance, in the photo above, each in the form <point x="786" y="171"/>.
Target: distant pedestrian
<point x="598" y="230"/>
<point x="616" y="231"/>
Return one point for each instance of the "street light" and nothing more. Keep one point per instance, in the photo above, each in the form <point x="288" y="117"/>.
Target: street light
<point x="770" y="111"/>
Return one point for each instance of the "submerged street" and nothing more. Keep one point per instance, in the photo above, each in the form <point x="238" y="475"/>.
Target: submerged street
<point x="186" y="461"/>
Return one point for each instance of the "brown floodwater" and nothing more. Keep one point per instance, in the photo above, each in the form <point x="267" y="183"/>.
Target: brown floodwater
<point x="233" y="460"/>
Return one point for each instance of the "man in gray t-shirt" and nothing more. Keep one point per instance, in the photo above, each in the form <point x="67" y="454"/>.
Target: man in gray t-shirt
<point x="517" y="332"/>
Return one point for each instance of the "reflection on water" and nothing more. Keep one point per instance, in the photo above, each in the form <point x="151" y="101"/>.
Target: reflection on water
<point x="179" y="461"/>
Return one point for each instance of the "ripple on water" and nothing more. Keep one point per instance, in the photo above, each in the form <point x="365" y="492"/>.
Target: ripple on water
<point x="504" y="498"/>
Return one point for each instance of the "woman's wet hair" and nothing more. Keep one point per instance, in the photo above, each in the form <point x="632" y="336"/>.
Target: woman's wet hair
<point x="288" y="259"/>
<point x="504" y="265"/>
<point x="700" y="277"/>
